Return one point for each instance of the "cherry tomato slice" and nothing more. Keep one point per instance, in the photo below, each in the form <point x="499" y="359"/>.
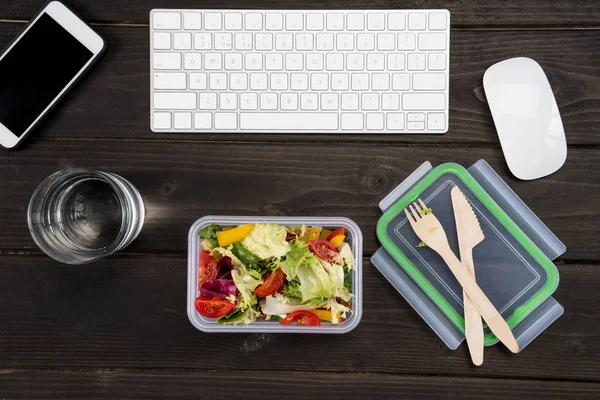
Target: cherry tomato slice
<point x="272" y="283"/>
<point x="323" y="249"/>
<point x="301" y="317"/>
<point x="213" y="308"/>
<point x="207" y="268"/>
<point x="337" y="232"/>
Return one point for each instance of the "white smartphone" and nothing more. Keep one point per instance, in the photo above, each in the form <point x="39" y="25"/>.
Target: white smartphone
<point x="41" y="64"/>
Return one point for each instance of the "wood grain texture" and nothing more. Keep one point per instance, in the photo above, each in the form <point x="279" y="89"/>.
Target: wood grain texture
<point x="465" y="13"/>
<point x="181" y="182"/>
<point x="285" y="385"/>
<point x="113" y="101"/>
<point x="130" y="312"/>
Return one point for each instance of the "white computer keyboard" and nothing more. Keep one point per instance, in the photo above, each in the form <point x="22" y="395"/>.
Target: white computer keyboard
<point x="295" y="71"/>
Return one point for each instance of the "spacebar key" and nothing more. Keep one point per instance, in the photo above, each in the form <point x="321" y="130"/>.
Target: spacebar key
<point x="288" y="121"/>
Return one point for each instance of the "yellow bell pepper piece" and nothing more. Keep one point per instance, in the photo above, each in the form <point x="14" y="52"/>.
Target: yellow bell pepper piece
<point x="338" y="240"/>
<point x="227" y="228"/>
<point x="325" y="315"/>
<point x="314" y="234"/>
<point x="234" y="235"/>
<point x="325" y="233"/>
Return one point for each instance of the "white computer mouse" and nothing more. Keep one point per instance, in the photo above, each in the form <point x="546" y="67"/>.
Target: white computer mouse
<point x="526" y="117"/>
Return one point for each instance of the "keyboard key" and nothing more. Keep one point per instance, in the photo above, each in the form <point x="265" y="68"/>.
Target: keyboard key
<point x="223" y="41"/>
<point x="355" y="61"/>
<point x="432" y="41"/>
<point x="167" y="61"/>
<point x="238" y="81"/>
<point x="202" y="120"/>
<point x="396" y="62"/>
<point x="192" y="60"/>
<point x="415" y="126"/>
<point x="355" y="22"/>
<point x="436" y="121"/>
<point x="253" y="61"/>
<point x="299" y="81"/>
<point x="369" y="101"/>
<point x="390" y="101"/>
<point x="243" y="41"/>
<point x="407" y="41"/>
<point x="161" y="120"/>
<point x="233" y="61"/>
<point x="437" y="21"/>
<point x="353" y="121"/>
<point x="226" y="121"/>
<point x="254" y="21"/>
<point x="294" y="62"/>
<point x="376" y="21"/>
<point x="174" y="101"/>
<point x="233" y="21"/>
<point x="289" y="101"/>
<point x="415" y="117"/>
<point x="305" y="41"/>
<point x="329" y="101"/>
<point x="349" y="101"/>
<point x="429" y="81"/>
<point x="375" y="62"/>
<point x="284" y="41"/>
<point x="294" y="21"/>
<point x="365" y="41"/>
<point x="416" y="62"/>
<point x="360" y="81"/>
<point x="324" y="41"/>
<point x="395" y="121"/>
<point x="309" y="101"/>
<point x="417" y="21"/>
<point x="424" y="101"/>
<point x="166" y="20"/>
<point x="274" y="61"/>
<point x="396" y="21"/>
<point x="202" y="41"/>
<point x="217" y="81"/>
<point x="212" y="21"/>
<point x="192" y="21"/>
<point x="380" y="82"/>
<point x="334" y="62"/>
<point x="166" y="80"/>
<point x="228" y="101"/>
<point x="258" y="81"/>
<point x="345" y="41"/>
<point x="182" y="120"/>
<point x="213" y="61"/>
<point x="208" y="101"/>
<point x="315" y="22"/>
<point x="282" y="121"/>
<point x="400" y="81"/>
<point x="198" y="81"/>
<point x="437" y="61"/>
<point x="335" y="22"/>
<point x="182" y="41"/>
<point x="385" y="41"/>
<point x="314" y="62"/>
<point x="339" y="81"/>
<point x="375" y="121"/>
<point x="279" y="81"/>
<point x="274" y="21"/>
<point x="264" y="41"/>
<point x="249" y="101"/>
<point x="319" y="81"/>
<point x="268" y="101"/>
<point x="162" y="41"/>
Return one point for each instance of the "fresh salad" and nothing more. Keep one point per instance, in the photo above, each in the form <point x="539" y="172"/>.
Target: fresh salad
<point x="294" y="275"/>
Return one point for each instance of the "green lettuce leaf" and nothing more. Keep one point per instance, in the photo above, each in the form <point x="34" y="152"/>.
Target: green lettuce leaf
<point x="246" y="280"/>
<point x="251" y="260"/>
<point x="209" y="233"/>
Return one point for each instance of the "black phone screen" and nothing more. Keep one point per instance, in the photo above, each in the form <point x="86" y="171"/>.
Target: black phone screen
<point x="37" y="68"/>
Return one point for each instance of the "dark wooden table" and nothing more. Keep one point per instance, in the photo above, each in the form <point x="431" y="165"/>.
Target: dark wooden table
<point x="118" y="328"/>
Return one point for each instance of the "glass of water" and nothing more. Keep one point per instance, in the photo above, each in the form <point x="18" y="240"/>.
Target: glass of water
<point x="77" y="216"/>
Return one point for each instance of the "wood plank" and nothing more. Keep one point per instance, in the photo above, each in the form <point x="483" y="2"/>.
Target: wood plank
<point x="465" y="14"/>
<point x="277" y="385"/>
<point x="130" y="312"/>
<point x="181" y="182"/>
<point x="114" y="101"/>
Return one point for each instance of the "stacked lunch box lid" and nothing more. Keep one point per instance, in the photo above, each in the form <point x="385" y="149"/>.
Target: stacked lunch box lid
<point x="512" y="265"/>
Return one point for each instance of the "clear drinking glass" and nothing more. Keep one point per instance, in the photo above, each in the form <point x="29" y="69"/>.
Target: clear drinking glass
<point x="77" y="216"/>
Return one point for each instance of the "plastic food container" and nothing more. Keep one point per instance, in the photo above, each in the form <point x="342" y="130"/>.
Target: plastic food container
<point x="514" y="273"/>
<point x="354" y="239"/>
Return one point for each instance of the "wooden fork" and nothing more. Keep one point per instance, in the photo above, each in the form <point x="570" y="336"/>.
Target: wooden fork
<point x="430" y="231"/>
